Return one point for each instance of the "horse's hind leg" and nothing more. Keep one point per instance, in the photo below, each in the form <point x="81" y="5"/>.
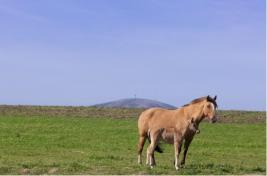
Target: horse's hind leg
<point x="142" y="140"/>
<point x="153" y="159"/>
<point x="150" y="160"/>
<point x="151" y="148"/>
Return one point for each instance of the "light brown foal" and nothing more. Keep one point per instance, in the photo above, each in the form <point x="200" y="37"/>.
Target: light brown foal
<point x="169" y="136"/>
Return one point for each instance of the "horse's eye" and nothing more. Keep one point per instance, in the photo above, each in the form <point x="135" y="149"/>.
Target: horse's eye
<point x="209" y="106"/>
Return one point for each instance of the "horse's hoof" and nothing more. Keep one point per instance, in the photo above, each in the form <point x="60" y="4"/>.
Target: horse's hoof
<point x="176" y="167"/>
<point x="151" y="167"/>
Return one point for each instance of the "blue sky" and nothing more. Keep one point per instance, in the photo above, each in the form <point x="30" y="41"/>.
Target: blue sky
<point x="83" y="52"/>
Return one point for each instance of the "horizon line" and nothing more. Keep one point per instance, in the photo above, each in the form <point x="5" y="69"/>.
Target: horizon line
<point x="53" y="105"/>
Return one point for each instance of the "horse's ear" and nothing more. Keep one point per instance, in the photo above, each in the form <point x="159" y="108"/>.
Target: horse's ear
<point x="208" y="97"/>
<point x="215" y="97"/>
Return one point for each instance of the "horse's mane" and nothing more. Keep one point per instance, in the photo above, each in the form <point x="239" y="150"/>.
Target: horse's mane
<point x="197" y="100"/>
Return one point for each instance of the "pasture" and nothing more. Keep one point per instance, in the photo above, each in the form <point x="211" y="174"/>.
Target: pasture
<point x="37" y="140"/>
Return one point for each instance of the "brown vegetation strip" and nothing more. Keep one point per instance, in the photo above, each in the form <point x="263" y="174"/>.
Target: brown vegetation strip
<point x="83" y="111"/>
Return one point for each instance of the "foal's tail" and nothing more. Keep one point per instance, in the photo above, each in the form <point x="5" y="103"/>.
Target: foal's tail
<point x="157" y="148"/>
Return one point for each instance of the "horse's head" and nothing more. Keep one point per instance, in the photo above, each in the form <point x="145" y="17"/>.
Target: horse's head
<point x="209" y="110"/>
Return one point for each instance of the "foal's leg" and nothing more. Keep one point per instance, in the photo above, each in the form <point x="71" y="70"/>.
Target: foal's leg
<point x="177" y="150"/>
<point x="142" y="140"/>
<point x="177" y="143"/>
<point x="187" y="142"/>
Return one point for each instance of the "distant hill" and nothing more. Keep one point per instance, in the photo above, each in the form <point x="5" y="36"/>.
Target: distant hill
<point x="135" y="103"/>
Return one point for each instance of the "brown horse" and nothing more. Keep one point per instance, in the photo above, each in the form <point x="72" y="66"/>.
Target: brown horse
<point x="155" y="119"/>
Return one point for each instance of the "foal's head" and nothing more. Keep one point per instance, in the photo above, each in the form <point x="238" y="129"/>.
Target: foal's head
<point x="209" y="110"/>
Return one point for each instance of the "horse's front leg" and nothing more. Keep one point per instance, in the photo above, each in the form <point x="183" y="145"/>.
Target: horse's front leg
<point x="177" y="150"/>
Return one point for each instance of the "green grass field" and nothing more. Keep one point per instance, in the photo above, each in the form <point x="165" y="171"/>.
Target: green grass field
<point x="78" y="145"/>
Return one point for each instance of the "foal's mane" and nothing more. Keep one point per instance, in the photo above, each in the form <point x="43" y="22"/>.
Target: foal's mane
<point x="197" y="100"/>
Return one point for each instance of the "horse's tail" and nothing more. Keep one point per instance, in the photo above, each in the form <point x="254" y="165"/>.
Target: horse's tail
<point x="157" y="148"/>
